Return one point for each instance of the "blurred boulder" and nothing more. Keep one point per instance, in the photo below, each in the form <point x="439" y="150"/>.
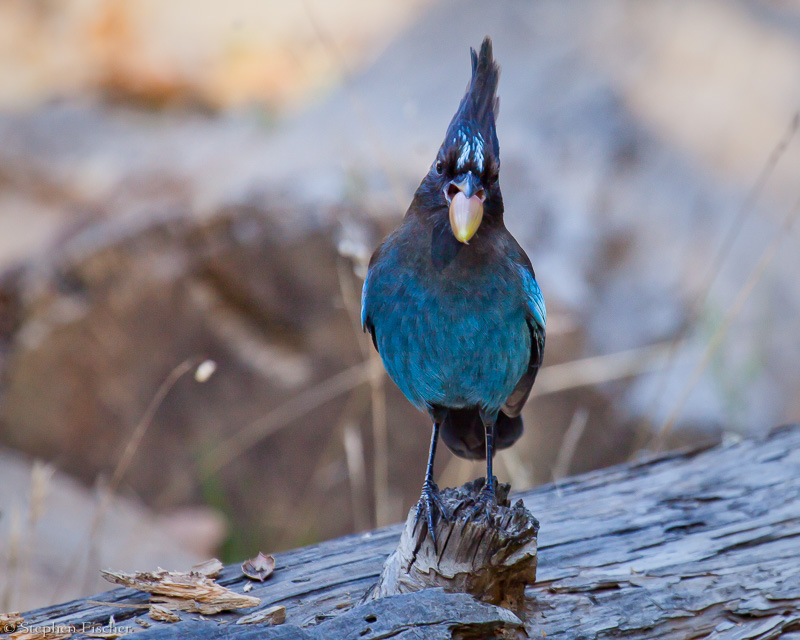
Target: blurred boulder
<point x="206" y="54"/>
<point x="167" y="234"/>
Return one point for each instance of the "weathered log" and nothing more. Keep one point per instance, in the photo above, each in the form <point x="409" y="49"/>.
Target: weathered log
<point x="492" y="556"/>
<point x="689" y="545"/>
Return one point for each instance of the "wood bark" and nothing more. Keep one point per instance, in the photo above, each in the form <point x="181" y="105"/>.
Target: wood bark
<point x="689" y="545"/>
<point x="488" y="553"/>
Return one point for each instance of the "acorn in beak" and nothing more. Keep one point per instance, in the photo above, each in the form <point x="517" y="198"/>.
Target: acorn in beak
<point x="465" y="195"/>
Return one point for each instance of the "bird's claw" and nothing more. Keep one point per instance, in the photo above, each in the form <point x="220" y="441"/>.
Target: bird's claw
<point x="485" y="503"/>
<point x="430" y="503"/>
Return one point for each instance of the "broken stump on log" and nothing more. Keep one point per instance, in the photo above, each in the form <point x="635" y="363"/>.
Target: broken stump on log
<point x="492" y="557"/>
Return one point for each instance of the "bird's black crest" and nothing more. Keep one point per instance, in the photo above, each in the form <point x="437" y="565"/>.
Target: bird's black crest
<point x="478" y="109"/>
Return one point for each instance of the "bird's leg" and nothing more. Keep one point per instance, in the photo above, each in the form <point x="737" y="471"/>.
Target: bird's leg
<point x="430" y="501"/>
<point x="487" y="497"/>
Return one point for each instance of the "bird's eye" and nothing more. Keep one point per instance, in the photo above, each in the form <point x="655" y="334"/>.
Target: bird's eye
<point x="439" y="166"/>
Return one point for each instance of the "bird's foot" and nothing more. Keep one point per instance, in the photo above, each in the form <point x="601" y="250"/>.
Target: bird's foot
<point x="485" y="503"/>
<point x="430" y="504"/>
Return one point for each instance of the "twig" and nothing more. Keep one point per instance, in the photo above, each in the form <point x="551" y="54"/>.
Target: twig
<point x="599" y="369"/>
<point x="578" y="373"/>
<point x="124" y="463"/>
<point x="117" y="605"/>
<point x="746" y="209"/>
<point x="457" y="471"/>
<point x="354" y="454"/>
<point x="119" y="472"/>
<point x="552" y="379"/>
<point x="284" y="415"/>
<point x="380" y="431"/>
<point x="518" y="471"/>
<point x="352" y="304"/>
<point x="41" y="474"/>
<point x="311" y="496"/>
<point x="144" y="424"/>
<point x="380" y="434"/>
<point x="383" y="503"/>
<point x="719" y="334"/>
<point x="12" y="559"/>
<point x="569" y="443"/>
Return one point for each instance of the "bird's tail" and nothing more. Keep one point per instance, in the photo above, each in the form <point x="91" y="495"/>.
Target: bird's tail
<point x="463" y="433"/>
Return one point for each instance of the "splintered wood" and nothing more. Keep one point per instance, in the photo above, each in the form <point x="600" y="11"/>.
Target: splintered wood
<point x="176" y="591"/>
<point x="491" y="556"/>
<point x="162" y="614"/>
<point x="272" y="615"/>
<point x="10" y="621"/>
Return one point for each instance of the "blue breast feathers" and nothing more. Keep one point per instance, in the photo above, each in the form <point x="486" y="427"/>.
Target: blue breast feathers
<point x="446" y="345"/>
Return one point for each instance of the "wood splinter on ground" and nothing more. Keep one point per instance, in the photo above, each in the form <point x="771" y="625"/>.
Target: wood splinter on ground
<point x="493" y="558"/>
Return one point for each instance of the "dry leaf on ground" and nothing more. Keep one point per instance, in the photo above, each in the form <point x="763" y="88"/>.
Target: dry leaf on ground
<point x="259" y="568"/>
<point x="191" y="591"/>
<point x="273" y="615"/>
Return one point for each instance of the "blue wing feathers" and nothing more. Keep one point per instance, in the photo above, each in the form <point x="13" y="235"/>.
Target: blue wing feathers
<point x="536" y="306"/>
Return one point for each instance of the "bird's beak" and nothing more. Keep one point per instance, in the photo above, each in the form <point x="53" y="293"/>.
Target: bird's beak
<point x="465" y="195"/>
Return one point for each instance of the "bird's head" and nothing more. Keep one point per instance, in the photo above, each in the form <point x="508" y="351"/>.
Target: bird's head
<point x="464" y="177"/>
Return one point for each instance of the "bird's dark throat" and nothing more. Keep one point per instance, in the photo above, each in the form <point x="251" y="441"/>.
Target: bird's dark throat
<point x="444" y="246"/>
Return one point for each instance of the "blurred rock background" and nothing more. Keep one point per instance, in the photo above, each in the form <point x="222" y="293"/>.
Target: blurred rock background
<point x="195" y="180"/>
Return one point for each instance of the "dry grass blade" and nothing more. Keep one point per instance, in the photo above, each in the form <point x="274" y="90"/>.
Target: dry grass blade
<point x="316" y="489"/>
<point x="599" y="369"/>
<point x="116" y="605"/>
<point x="570" y="443"/>
<point x="747" y="207"/>
<point x="722" y="330"/>
<point x="552" y="379"/>
<point x="144" y="424"/>
<point x="14" y="546"/>
<point x="356" y="472"/>
<point x="380" y="435"/>
<point x="41" y="474"/>
<point x="520" y="473"/>
<point x="190" y="591"/>
<point x="285" y="414"/>
<point x="377" y="383"/>
<point x="725" y="248"/>
<point x="121" y="469"/>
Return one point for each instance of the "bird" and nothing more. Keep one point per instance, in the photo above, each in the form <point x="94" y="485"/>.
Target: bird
<point x="451" y="300"/>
